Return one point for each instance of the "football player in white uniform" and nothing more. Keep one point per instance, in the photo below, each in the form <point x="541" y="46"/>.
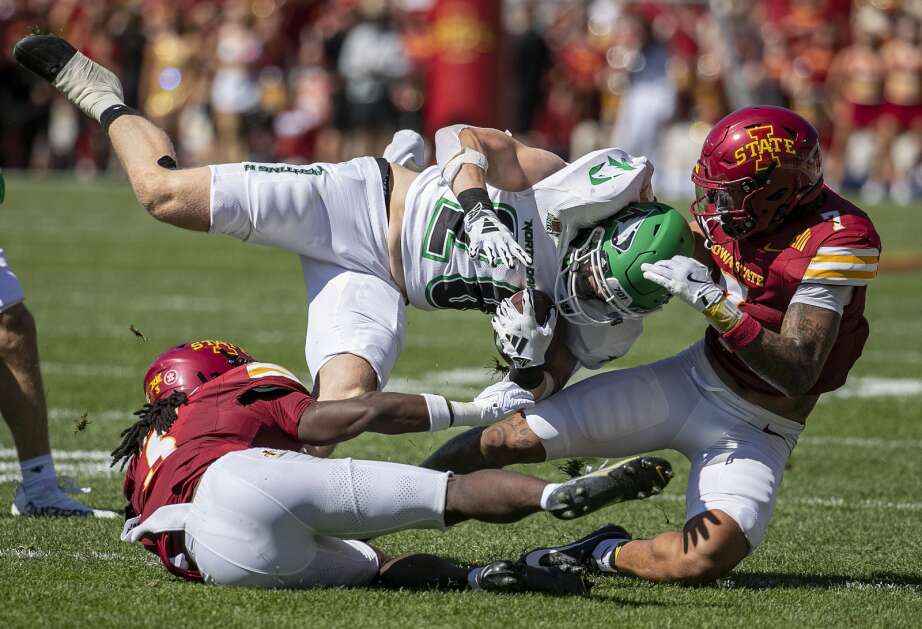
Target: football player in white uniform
<point x="374" y="235"/>
<point x="22" y="404"/>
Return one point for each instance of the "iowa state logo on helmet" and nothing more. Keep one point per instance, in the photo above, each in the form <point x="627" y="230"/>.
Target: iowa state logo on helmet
<point x="765" y="148"/>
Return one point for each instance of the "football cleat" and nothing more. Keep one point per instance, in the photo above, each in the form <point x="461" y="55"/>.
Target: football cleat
<point x="578" y="553"/>
<point x="508" y="576"/>
<point x="45" y="55"/>
<point x="632" y="479"/>
<point x="84" y="82"/>
<point x="54" y="503"/>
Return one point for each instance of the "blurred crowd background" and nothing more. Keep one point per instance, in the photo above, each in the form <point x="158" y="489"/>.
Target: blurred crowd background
<point x="326" y="80"/>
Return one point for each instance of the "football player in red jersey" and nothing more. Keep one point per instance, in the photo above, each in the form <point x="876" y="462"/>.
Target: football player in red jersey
<point x="780" y="275"/>
<point x="220" y="489"/>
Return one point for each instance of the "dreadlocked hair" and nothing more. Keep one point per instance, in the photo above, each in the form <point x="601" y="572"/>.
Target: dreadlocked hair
<point x="158" y="416"/>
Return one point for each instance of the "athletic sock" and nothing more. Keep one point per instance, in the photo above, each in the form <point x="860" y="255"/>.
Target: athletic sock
<point x="605" y="552"/>
<point x="89" y="86"/>
<point x="546" y="494"/>
<point x="38" y="474"/>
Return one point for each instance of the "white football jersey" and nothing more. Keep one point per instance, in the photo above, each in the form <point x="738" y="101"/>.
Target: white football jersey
<point x="439" y="272"/>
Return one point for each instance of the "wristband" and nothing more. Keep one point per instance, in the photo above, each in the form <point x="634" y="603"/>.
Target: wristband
<point x="743" y="334"/>
<point x="471" y="198"/>
<point x="440" y="413"/>
<point x="723" y="314"/>
<point x="528" y="378"/>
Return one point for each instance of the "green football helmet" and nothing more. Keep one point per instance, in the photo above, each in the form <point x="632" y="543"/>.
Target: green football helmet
<point x="600" y="282"/>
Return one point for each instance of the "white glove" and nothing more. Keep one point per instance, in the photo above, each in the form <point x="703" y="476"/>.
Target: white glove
<point x="519" y="336"/>
<point x="687" y="279"/>
<point x="487" y="235"/>
<point x="500" y="399"/>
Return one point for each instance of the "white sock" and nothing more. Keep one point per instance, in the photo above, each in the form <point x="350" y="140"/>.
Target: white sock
<point x="604" y="552"/>
<point x="89" y="86"/>
<point x="546" y="494"/>
<point x="38" y="474"/>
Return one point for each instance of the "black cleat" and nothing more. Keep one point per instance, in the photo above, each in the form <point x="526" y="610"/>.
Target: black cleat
<point x="44" y="55"/>
<point x="578" y="553"/>
<point x="633" y="479"/>
<point x="507" y="577"/>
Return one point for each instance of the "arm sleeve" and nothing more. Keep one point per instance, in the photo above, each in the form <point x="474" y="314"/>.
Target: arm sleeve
<point x="827" y="296"/>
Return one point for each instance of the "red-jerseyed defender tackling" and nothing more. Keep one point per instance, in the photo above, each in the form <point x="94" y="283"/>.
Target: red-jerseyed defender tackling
<point x="220" y="489"/>
<point x="780" y="275"/>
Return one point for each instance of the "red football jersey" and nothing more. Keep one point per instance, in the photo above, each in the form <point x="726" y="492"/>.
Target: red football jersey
<point x="251" y="406"/>
<point x="835" y="243"/>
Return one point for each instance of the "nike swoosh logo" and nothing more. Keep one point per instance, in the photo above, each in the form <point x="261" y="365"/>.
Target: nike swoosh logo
<point x="690" y="278"/>
<point x="595" y="181"/>
<point x="770" y="249"/>
<point x="620" y="165"/>
<point x="771" y="432"/>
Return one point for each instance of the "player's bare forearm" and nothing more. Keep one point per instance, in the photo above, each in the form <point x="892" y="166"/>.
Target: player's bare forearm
<point x="325" y="423"/>
<point x="513" y="165"/>
<point x="791" y="360"/>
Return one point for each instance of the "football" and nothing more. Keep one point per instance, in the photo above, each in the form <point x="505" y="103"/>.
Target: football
<point x="543" y="303"/>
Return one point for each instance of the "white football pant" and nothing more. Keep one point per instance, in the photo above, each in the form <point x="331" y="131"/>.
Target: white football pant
<point x="333" y="216"/>
<point x="274" y="518"/>
<point x="737" y="450"/>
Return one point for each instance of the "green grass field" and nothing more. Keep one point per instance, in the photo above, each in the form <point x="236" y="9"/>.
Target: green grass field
<point x="844" y="548"/>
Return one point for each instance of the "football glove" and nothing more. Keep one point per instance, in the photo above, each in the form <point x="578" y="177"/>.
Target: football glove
<point x="687" y="279"/>
<point x="487" y="235"/>
<point x="501" y="399"/>
<point x="518" y="334"/>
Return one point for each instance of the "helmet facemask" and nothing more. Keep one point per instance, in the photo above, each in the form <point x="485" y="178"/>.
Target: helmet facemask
<point x="584" y="290"/>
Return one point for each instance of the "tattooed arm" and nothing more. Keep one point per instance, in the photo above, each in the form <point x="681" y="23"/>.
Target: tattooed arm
<point x="791" y="360"/>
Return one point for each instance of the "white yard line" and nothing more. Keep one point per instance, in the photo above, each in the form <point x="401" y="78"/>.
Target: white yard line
<point x="832" y="502"/>
<point x="859" y="442"/>
<point x="869" y="387"/>
<point x="30" y="552"/>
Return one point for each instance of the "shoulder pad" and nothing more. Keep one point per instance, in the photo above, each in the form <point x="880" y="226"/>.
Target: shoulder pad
<point x="849" y="253"/>
<point x="256" y="371"/>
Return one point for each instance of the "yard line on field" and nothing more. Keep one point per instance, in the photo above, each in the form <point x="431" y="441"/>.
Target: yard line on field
<point x="29" y="552"/>
<point x="866" y="387"/>
<point x="10" y="471"/>
<point x="833" y="502"/>
<point x="460" y="381"/>
<point x="64" y="455"/>
<point x="859" y="442"/>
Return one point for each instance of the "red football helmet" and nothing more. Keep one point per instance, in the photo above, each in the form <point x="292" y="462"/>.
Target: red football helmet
<point x="187" y="366"/>
<point x="757" y="164"/>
